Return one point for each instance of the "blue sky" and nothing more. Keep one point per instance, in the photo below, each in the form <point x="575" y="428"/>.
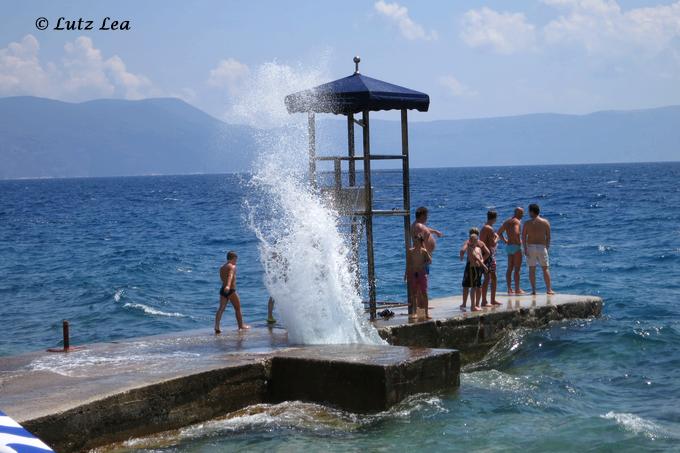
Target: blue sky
<point x="475" y="59"/>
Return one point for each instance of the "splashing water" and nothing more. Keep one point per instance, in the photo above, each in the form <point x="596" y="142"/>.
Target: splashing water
<point x="306" y="258"/>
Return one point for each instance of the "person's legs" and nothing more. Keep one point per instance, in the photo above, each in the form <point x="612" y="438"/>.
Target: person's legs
<point x="416" y="300"/>
<point x="508" y="273"/>
<point x="474" y="301"/>
<point x="270" y="311"/>
<point x="485" y="287"/>
<point x="236" y="302"/>
<point x="466" y="291"/>
<point x="517" y="267"/>
<point x="426" y="303"/>
<point x="218" y="316"/>
<point x="532" y="278"/>
<point x="548" y="282"/>
<point x="494" y="286"/>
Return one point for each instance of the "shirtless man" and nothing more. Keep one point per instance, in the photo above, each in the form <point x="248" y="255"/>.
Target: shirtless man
<point x="228" y="292"/>
<point x="489" y="238"/>
<point x="419" y="228"/>
<point x="536" y="239"/>
<point x="513" y="247"/>
<point x="477" y="253"/>
<point x="417" y="260"/>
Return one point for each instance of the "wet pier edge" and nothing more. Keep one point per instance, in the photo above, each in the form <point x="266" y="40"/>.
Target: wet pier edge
<point x="475" y="333"/>
<point x="109" y="392"/>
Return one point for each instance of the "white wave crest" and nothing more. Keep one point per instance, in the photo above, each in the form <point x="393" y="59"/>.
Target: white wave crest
<point x="153" y="311"/>
<point x="633" y="423"/>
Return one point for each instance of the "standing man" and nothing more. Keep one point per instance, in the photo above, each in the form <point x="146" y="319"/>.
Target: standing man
<point x="513" y="247"/>
<point x="536" y="239"/>
<point x="489" y="237"/>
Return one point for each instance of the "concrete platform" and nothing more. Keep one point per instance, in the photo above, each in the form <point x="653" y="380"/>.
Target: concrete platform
<point x="474" y="333"/>
<point x="114" y="391"/>
<point x="361" y="378"/>
<point x="111" y="392"/>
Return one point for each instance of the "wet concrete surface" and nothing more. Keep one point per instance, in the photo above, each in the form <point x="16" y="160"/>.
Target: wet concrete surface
<point x="37" y="384"/>
<point x="474" y="333"/>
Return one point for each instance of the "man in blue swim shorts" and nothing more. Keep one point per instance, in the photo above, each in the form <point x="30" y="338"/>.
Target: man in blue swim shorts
<point x="513" y="247"/>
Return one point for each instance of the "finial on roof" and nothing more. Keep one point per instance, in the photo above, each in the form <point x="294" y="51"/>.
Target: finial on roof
<point x="357" y="60"/>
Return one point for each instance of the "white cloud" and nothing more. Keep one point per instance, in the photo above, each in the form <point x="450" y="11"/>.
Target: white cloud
<point x="399" y="15"/>
<point x="20" y="70"/>
<point x="455" y="88"/>
<point x="83" y="73"/>
<point x="602" y="27"/>
<point x="503" y="32"/>
<point x="599" y="27"/>
<point x="229" y="74"/>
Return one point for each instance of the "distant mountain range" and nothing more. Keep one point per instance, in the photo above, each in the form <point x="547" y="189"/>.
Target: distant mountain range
<point x="46" y="138"/>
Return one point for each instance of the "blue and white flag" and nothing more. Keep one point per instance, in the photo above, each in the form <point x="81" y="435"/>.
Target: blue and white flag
<point x="15" y="439"/>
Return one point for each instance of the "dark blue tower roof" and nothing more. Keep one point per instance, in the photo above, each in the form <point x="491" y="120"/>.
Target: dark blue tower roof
<point x="354" y="94"/>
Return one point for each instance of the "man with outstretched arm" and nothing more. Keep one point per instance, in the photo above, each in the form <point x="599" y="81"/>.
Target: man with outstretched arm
<point x="420" y="228"/>
<point x="536" y="239"/>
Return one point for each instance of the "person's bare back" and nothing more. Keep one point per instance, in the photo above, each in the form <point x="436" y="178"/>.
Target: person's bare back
<point x="489" y="237"/>
<point x="537" y="231"/>
<point x="512" y="228"/>
<point x="226" y="271"/>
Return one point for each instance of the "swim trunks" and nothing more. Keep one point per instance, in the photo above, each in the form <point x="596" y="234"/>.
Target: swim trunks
<point x="537" y="255"/>
<point x="418" y="281"/>
<point x="472" y="276"/>
<point x="226" y="294"/>
<point x="490" y="262"/>
<point x="511" y="249"/>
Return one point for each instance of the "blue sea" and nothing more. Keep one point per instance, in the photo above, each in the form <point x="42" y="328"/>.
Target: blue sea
<point x="132" y="256"/>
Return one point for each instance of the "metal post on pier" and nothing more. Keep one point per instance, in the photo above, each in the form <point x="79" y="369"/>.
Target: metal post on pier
<point x="311" y="130"/>
<point x="407" y="200"/>
<point x="351" y="182"/>
<point x="66" y="340"/>
<point x="369" y="215"/>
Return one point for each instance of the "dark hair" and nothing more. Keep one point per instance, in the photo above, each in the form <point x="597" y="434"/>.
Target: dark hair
<point x="420" y="212"/>
<point x="533" y="207"/>
<point x="231" y="255"/>
<point x="474" y="230"/>
<point x="491" y="215"/>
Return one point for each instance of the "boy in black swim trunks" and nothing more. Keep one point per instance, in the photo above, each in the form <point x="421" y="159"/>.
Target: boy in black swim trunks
<point x="228" y="292"/>
<point x="477" y="253"/>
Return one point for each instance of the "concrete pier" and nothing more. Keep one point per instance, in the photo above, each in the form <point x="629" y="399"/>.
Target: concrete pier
<point x="474" y="333"/>
<point x="111" y="392"/>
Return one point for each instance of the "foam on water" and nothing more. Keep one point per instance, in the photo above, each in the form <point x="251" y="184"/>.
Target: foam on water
<point x="634" y="424"/>
<point x="306" y="258"/>
<point x="290" y="415"/>
<point x="152" y="311"/>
